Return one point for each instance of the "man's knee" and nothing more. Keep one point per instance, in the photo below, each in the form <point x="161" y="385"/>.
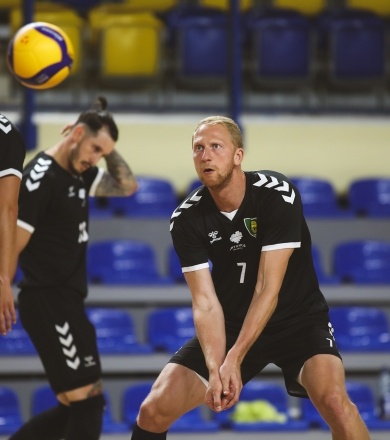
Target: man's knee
<point x="154" y="417"/>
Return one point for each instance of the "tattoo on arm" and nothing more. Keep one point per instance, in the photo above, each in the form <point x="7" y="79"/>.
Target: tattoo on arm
<point x="96" y="389"/>
<point x="118" y="180"/>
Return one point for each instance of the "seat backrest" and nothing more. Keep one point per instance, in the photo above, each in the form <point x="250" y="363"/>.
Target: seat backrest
<point x="363" y="261"/>
<point x="174" y="266"/>
<point x="307" y="7"/>
<point x="112" y="323"/>
<point x="318" y="196"/>
<point x="281" y="46"/>
<point x="131" y="46"/>
<point x="363" y="397"/>
<point x="16" y="342"/>
<point x="43" y="398"/>
<point x="132" y="398"/>
<point x="359" y="322"/>
<point x="201" y="44"/>
<point x="10" y="411"/>
<point x="357" y="47"/>
<point x="380" y="7"/>
<point x="266" y="390"/>
<point x="123" y="262"/>
<point x="155" y="197"/>
<point x="244" y="5"/>
<point x="170" y="328"/>
<point x="323" y="277"/>
<point x="370" y="196"/>
<point x="151" y="5"/>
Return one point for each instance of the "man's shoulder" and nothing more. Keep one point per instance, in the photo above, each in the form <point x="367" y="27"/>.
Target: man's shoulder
<point x="191" y="206"/>
<point x="39" y="172"/>
<point x="267" y="175"/>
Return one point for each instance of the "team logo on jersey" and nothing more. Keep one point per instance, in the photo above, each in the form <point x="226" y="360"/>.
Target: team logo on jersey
<point x="251" y="226"/>
<point x="71" y="192"/>
<point x="236" y="238"/>
<point x="5" y="128"/>
<point x="214" y="236"/>
<point x="277" y="185"/>
<point x="36" y="174"/>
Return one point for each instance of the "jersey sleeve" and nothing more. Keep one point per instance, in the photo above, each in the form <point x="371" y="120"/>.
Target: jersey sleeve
<point x="12" y="149"/>
<point x="34" y="200"/>
<point x="282" y="225"/>
<point x="192" y="252"/>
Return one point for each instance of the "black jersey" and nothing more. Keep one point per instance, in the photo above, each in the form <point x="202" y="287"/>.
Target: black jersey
<point x="12" y="149"/>
<point x="53" y="206"/>
<point x="270" y="217"/>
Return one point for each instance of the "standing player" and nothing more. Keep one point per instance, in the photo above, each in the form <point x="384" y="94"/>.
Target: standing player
<point x="52" y="237"/>
<point x="12" y="154"/>
<point x="261" y="304"/>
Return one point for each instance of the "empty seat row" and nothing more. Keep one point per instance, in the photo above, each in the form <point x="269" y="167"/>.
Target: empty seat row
<point x="128" y="262"/>
<point x="357" y="329"/>
<point x="189" y="44"/>
<point x="157" y="197"/>
<point x="264" y="406"/>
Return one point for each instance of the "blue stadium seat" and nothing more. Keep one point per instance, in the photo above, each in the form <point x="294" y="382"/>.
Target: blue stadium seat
<point x="124" y="262"/>
<point x="43" y="398"/>
<point x="132" y="398"/>
<point x="10" y="412"/>
<point x="16" y="342"/>
<point x="174" y="267"/>
<point x="193" y="421"/>
<point x="323" y="277"/>
<point x="155" y="197"/>
<point x="362" y="396"/>
<point x="370" y="197"/>
<point x="196" y="183"/>
<point x="115" y="331"/>
<point x="356" y="47"/>
<point x="200" y="44"/>
<point x="319" y="198"/>
<point x="99" y="207"/>
<point x="169" y="328"/>
<point x="267" y="391"/>
<point x="363" y="261"/>
<point x="281" y="48"/>
<point x="361" y="329"/>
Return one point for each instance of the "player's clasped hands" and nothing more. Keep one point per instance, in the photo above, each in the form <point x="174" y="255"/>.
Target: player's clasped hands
<point x="224" y="389"/>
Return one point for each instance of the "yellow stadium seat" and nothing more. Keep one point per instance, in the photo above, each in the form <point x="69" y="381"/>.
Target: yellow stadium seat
<point x="130" y="47"/>
<point x="307" y="7"/>
<point x="151" y="5"/>
<point x="380" y="7"/>
<point x="225" y="4"/>
<point x="67" y="19"/>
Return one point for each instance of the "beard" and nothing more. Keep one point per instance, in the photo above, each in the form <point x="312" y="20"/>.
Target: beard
<point x="221" y="181"/>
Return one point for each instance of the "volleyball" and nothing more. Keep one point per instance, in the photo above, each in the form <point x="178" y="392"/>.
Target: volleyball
<point x="40" y="55"/>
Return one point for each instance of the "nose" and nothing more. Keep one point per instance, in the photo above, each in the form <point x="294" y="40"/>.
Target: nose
<point x="206" y="154"/>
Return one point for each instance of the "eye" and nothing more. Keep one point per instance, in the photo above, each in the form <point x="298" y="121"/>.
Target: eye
<point x="198" y="148"/>
<point x="216" y="146"/>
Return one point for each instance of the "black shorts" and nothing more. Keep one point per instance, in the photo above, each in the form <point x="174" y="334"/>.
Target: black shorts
<point x="288" y="347"/>
<point x="63" y="336"/>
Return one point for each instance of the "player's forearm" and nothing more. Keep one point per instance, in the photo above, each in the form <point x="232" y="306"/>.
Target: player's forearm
<point x="120" y="171"/>
<point x="8" y="216"/>
<point x="259" y="313"/>
<point x="210" y="329"/>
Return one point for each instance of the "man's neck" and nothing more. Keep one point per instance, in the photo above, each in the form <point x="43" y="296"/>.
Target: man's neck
<point x="230" y="198"/>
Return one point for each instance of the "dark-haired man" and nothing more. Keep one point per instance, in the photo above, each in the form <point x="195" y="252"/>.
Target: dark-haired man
<point x="52" y="237"/>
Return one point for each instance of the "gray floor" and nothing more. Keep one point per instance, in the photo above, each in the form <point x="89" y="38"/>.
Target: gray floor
<point x="223" y="435"/>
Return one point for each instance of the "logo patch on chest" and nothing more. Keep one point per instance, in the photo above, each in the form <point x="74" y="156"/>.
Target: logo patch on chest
<point x="251" y="226"/>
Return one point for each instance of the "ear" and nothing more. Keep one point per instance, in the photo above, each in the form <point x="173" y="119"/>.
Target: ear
<point x="77" y="133"/>
<point x="238" y="156"/>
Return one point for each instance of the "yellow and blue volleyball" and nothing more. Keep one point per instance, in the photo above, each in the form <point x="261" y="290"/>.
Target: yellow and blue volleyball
<point x="40" y="55"/>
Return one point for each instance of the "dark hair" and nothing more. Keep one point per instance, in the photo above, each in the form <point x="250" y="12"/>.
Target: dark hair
<point x="98" y="117"/>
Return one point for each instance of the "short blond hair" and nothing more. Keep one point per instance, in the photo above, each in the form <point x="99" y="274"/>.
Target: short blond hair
<point x="229" y="124"/>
